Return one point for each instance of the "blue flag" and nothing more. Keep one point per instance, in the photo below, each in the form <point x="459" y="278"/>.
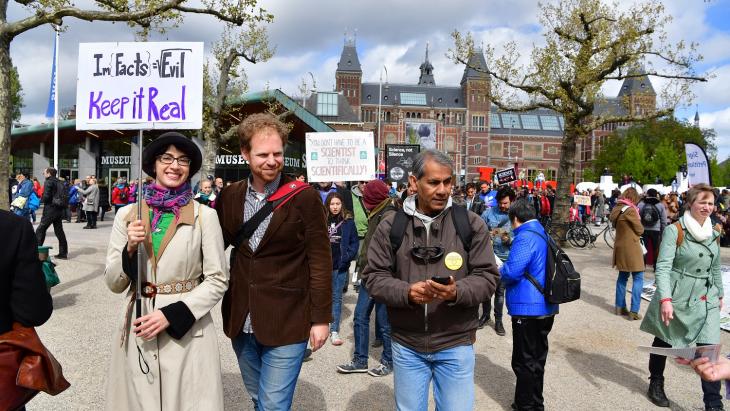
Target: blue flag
<point x="52" y="93"/>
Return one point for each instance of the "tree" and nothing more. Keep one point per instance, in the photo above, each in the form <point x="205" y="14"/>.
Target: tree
<point x="587" y="43"/>
<point x="16" y="95"/>
<point x="635" y="160"/>
<point x="663" y="141"/>
<point x="146" y="14"/>
<point x="225" y="81"/>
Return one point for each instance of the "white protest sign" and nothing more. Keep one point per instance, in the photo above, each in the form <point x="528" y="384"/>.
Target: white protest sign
<point x="136" y="86"/>
<point x="340" y="156"/>
<point x="582" y="200"/>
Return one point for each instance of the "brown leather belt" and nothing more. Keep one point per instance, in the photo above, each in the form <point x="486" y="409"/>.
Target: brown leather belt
<point x="150" y="290"/>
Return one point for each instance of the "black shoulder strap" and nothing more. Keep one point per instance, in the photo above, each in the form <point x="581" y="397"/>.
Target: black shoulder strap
<point x="398" y="230"/>
<point x="529" y="276"/>
<point x="460" y="215"/>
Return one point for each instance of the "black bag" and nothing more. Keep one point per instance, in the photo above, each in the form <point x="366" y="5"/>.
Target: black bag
<point x="562" y="282"/>
<point x="459" y="214"/>
<point x="649" y="215"/>
<point x="60" y="197"/>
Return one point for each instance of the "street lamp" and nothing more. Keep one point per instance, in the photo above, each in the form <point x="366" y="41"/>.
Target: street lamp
<point x="380" y="99"/>
<point x="509" y="142"/>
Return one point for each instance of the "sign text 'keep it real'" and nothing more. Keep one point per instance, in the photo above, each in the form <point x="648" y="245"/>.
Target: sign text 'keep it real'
<point x="140" y="86"/>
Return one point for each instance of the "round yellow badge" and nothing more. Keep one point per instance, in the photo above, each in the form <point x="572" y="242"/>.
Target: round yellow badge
<point x="453" y="261"/>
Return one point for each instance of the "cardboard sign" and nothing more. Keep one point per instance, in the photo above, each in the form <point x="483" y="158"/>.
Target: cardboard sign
<point x="340" y="156"/>
<point x="506" y="176"/>
<point x="582" y="200"/>
<point x="139" y="86"/>
<point x="399" y="161"/>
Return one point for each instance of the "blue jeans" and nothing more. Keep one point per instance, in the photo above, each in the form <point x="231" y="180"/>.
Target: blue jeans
<point x="363" y="308"/>
<point x="269" y="373"/>
<point x="338" y="283"/>
<point x="452" y="372"/>
<point x="636" y="286"/>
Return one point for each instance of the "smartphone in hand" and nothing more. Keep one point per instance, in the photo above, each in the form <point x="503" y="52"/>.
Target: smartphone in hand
<point x="441" y="280"/>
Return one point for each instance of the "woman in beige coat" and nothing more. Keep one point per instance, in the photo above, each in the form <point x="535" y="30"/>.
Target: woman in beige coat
<point x="628" y="257"/>
<point x="168" y="358"/>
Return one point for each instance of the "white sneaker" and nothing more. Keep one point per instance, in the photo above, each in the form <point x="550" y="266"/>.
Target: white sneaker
<point x="335" y="338"/>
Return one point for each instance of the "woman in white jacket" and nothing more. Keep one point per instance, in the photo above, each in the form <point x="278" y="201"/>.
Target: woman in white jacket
<point x="168" y="358"/>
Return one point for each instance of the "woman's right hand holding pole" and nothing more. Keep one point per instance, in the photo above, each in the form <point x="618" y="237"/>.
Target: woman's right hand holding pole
<point x="135" y="235"/>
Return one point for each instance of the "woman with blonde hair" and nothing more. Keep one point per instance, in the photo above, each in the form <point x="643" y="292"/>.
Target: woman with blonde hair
<point x="628" y="257"/>
<point x="685" y="309"/>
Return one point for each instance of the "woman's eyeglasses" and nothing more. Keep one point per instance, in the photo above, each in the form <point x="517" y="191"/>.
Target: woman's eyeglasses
<point x="167" y="159"/>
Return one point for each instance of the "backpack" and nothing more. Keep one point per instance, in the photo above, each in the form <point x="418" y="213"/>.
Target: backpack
<point x="123" y="194"/>
<point x="649" y="215"/>
<point x="60" y="196"/>
<point x="33" y="201"/>
<point x="459" y="215"/>
<point x="562" y="282"/>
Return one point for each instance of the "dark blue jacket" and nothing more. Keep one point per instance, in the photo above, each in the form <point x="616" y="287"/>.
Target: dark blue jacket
<point x="349" y="244"/>
<point x="528" y="254"/>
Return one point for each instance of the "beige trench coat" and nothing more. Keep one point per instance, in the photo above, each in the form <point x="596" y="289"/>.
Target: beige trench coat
<point x="627" y="254"/>
<point x="184" y="374"/>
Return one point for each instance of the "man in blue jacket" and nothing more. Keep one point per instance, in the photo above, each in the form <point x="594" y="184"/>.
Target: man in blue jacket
<point x="532" y="316"/>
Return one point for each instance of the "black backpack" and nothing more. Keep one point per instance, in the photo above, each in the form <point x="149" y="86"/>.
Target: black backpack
<point x="459" y="214"/>
<point x="60" y="196"/>
<point x="649" y="215"/>
<point x="562" y="282"/>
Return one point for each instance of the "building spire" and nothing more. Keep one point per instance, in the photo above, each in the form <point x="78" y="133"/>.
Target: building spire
<point x="697" y="116"/>
<point x="426" y="78"/>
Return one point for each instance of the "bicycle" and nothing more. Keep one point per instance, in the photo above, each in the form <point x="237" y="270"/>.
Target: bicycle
<point x="576" y="235"/>
<point x="585" y="234"/>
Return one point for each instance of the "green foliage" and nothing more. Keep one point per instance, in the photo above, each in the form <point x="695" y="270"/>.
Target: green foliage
<point x="652" y="149"/>
<point x="16" y="95"/>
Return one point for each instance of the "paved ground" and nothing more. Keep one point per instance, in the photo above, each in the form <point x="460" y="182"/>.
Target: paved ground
<point x="593" y="362"/>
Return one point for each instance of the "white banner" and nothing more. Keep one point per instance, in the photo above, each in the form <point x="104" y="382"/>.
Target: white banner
<point x="133" y="86"/>
<point x="340" y="156"/>
<point x="698" y="166"/>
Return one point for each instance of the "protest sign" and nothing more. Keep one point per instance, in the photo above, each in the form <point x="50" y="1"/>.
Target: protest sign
<point x="136" y="86"/>
<point x="340" y="156"/>
<point x="506" y="176"/>
<point x="399" y="161"/>
<point x="582" y="200"/>
<point x="423" y="134"/>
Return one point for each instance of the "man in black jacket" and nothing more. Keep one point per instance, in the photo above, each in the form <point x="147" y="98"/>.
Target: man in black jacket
<point x="53" y="214"/>
<point x="23" y="294"/>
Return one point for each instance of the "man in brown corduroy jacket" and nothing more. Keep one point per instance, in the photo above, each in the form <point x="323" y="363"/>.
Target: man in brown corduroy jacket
<point x="280" y="291"/>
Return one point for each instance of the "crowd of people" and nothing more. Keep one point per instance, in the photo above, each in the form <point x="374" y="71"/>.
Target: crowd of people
<point x="426" y="257"/>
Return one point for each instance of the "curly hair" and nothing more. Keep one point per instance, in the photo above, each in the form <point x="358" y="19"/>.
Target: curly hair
<point x="257" y="122"/>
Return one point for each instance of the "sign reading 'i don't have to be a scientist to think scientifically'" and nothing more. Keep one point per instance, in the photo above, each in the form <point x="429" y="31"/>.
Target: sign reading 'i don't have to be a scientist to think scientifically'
<point x="140" y="86"/>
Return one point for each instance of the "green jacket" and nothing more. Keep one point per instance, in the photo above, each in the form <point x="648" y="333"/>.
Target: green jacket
<point x="690" y="276"/>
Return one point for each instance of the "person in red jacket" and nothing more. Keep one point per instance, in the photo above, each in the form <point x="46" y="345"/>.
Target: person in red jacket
<point x="120" y="195"/>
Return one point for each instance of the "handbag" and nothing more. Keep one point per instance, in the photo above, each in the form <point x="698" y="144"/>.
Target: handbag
<point x="19" y="202"/>
<point x="26" y="367"/>
<point x="643" y="247"/>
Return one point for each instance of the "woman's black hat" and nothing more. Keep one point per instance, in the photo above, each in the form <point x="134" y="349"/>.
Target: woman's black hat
<point x="161" y="143"/>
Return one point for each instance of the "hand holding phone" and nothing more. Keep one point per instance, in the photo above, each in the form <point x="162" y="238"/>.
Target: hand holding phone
<point x="441" y="280"/>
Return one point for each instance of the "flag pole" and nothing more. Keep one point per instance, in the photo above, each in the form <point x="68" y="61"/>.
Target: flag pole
<point x="55" y="98"/>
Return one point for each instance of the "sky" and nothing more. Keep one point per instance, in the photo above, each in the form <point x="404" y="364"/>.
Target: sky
<point x="309" y="35"/>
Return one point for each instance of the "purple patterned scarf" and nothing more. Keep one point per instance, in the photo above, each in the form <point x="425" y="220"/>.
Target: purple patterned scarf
<point x="164" y="200"/>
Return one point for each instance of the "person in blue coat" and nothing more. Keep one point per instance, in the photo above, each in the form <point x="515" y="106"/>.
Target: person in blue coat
<point x="532" y="316"/>
<point x="342" y="233"/>
<point x="24" y="190"/>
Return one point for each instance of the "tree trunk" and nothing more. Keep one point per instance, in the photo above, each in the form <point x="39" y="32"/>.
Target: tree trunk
<point x="210" y="149"/>
<point x="565" y="179"/>
<point x="6" y="65"/>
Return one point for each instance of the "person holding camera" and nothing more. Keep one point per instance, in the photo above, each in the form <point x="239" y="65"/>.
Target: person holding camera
<point x="432" y="280"/>
<point x="500" y="230"/>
